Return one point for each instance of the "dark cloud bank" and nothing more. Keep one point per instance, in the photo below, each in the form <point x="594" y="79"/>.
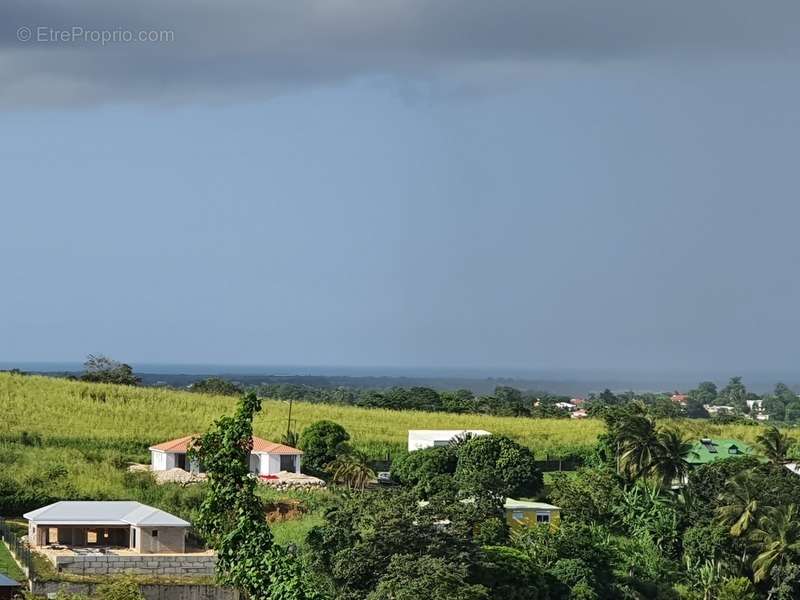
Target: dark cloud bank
<point x="251" y="49"/>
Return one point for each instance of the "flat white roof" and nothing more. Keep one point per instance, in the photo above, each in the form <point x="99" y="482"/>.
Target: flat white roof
<point x="442" y="434"/>
<point x="512" y="504"/>
<point x="104" y="513"/>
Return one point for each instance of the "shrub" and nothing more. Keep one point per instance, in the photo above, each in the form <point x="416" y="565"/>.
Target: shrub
<point x="119" y="588"/>
<point x="321" y="443"/>
<point x="423" y="465"/>
<point x="497" y="465"/>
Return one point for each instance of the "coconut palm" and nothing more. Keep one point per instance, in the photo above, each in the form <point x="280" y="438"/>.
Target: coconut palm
<point x="775" y="445"/>
<point x="777" y="539"/>
<point x="668" y="463"/>
<point x="638" y="444"/>
<point x="739" y="508"/>
<point x="352" y="468"/>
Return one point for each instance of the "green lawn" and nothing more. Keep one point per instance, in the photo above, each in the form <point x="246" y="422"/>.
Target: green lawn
<point x="8" y="565"/>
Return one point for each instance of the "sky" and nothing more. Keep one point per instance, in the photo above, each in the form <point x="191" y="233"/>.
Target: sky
<point x="505" y="185"/>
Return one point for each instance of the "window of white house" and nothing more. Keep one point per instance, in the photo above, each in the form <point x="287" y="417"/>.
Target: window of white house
<point x="542" y="517"/>
<point x="52" y="535"/>
<point x="91" y="537"/>
<point x="155" y="533"/>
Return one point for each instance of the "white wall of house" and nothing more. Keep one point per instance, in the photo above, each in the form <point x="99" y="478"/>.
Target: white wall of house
<point x="271" y="464"/>
<point x="154" y="540"/>
<point x="163" y="461"/>
<point x="158" y="460"/>
<point x="429" y="438"/>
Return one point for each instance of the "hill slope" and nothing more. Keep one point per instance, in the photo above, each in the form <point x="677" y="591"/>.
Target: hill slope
<point x="63" y="412"/>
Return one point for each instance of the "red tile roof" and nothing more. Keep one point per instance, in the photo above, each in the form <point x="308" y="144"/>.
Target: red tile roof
<point x="259" y="446"/>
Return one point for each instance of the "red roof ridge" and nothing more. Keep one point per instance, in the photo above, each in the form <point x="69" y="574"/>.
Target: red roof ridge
<point x="260" y="446"/>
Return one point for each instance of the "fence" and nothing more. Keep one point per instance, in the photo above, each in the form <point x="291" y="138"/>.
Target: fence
<point x="18" y="549"/>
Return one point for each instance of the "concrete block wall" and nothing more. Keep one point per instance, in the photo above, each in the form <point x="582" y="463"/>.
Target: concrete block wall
<point x="150" y="591"/>
<point x="185" y="565"/>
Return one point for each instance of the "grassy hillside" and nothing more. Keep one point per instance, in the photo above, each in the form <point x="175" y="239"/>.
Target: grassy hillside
<point x="70" y="440"/>
<point x="69" y="413"/>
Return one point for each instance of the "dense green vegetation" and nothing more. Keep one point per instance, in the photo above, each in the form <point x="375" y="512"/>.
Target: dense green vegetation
<point x="731" y="532"/>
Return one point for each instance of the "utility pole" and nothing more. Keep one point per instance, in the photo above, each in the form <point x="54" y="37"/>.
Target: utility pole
<point x="289" y="422"/>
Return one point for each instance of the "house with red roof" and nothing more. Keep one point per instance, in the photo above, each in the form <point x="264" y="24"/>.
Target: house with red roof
<point x="266" y="458"/>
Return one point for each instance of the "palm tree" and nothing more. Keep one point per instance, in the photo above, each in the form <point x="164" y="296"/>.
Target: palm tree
<point x="775" y="445"/>
<point x="638" y="443"/>
<point x="741" y="504"/>
<point x="352" y="468"/>
<point x="777" y="537"/>
<point x="668" y="463"/>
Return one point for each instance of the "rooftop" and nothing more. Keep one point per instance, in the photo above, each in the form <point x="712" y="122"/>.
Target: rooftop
<point x="104" y="513"/>
<point x="512" y="504"/>
<point x="260" y="446"/>
<point x="709" y="450"/>
<point x="441" y="434"/>
<point x="8" y="582"/>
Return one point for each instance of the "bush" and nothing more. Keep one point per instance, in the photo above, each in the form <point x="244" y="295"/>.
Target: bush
<point x="423" y="465"/>
<point x="510" y="574"/>
<point x="497" y="465"/>
<point x="573" y="571"/>
<point x="588" y="495"/>
<point x="321" y="443"/>
<point x="119" y="588"/>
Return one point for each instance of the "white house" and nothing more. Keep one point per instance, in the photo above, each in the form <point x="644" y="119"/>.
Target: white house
<point x="132" y="525"/>
<point x="266" y="458"/>
<point x="433" y="438"/>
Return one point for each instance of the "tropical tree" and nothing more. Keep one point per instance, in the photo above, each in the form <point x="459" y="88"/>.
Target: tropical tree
<point x="101" y="369"/>
<point x="777" y="539"/>
<point x="352" y="469"/>
<point x="638" y="444"/>
<point x="668" y="463"/>
<point x="775" y="444"/>
<point x="739" y="506"/>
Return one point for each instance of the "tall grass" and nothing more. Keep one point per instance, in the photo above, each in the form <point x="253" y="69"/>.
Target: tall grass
<point x="72" y="413"/>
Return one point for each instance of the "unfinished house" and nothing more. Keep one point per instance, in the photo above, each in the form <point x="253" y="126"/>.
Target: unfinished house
<point x="104" y="538"/>
<point x="130" y="525"/>
<point x="266" y="458"/>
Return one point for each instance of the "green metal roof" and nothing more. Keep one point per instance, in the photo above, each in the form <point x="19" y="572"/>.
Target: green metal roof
<point x="709" y="450"/>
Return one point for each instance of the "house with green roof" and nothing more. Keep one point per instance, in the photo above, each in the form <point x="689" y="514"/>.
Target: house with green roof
<point x="708" y="450"/>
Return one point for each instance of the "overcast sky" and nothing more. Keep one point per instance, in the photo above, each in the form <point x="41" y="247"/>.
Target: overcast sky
<point x="525" y="185"/>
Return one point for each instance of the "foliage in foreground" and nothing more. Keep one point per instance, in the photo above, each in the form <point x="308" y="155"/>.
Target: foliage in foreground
<point x="232" y="516"/>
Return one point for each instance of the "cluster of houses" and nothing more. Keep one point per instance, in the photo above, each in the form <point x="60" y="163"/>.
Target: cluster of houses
<point x="574" y="407"/>
<point x="93" y="537"/>
<point x="755" y="407"/>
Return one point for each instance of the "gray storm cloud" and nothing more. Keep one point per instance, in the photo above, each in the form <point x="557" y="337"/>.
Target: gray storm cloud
<point x="247" y="49"/>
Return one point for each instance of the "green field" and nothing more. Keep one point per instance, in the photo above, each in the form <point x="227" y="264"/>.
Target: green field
<point x="69" y="413"/>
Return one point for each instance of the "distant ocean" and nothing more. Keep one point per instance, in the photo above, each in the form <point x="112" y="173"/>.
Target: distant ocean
<point x="480" y="380"/>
